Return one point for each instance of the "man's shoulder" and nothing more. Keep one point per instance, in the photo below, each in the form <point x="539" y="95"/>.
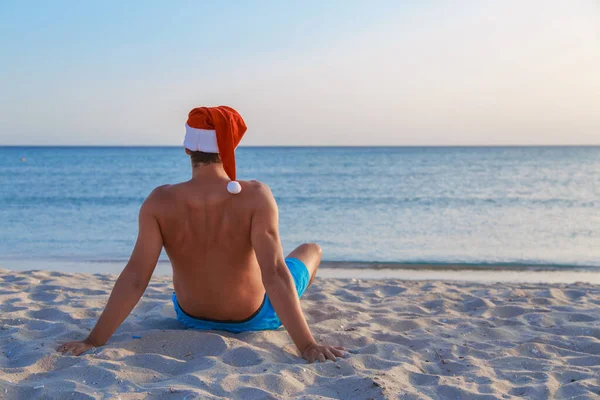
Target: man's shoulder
<point x="257" y="196"/>
<point x="256" y="189"/>
<point x="157" y="197"/>
<point x="160" y="191"/>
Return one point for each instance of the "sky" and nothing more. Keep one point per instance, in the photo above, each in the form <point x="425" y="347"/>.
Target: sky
<point x="310" y="73"/>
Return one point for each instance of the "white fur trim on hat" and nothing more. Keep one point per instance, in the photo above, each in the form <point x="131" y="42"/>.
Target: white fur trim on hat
<point x="200" y="140"/>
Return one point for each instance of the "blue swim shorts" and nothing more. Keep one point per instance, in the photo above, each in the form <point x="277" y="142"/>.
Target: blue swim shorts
<point x="263" y="319"/>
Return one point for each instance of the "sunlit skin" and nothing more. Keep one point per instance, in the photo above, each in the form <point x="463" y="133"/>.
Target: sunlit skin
<point x="225" y="252"/>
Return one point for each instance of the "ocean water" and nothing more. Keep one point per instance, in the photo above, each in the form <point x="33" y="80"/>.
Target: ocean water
<point x="409" y="205"/>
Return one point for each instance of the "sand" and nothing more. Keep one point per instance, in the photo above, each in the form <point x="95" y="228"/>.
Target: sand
<point x="408" y="340"/>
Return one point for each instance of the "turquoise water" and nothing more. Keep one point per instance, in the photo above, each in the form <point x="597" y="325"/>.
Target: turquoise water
<point x="432" y="205"/>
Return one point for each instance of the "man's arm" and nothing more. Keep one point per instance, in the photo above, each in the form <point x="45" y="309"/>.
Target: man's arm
<point x="279" y="282"/>
<point x="130" y="285"/>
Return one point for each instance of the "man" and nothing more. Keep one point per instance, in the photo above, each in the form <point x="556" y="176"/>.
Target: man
<point x="222" y="239"/>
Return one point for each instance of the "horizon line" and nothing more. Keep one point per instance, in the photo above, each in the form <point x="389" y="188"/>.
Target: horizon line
<point x="308" y="146"/>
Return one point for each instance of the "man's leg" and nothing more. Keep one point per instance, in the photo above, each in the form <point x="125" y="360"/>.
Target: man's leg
<point x="310" y="254"/>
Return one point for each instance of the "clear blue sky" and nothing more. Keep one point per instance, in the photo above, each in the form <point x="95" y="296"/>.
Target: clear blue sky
<point x="302" y="73"/>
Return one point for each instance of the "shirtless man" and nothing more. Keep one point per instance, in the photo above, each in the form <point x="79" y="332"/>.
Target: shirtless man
<point x="222" y="239"/>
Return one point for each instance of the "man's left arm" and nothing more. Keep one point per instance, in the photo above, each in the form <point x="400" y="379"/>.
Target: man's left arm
<point x="130" y="285"/>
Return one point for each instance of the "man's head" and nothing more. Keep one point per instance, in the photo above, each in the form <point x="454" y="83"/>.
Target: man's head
<point x="200" y="158"/>
<point x="212" y="135"/>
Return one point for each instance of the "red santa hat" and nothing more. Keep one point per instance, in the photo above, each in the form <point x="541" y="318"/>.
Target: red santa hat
<point x="216" y="130"/>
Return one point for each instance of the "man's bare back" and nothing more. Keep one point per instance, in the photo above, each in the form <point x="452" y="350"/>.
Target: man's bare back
<point x="206" y="234"/>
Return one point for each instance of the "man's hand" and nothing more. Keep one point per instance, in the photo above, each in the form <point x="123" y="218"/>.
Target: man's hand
<point x="75" y="348"/>
<point x="314" y="352"/>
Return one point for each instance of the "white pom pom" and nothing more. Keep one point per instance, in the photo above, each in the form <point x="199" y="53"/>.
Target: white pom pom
<point x="234" y="187"/>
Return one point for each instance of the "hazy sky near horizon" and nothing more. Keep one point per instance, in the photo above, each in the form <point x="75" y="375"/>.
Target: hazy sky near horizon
<point x="302" y="73"/>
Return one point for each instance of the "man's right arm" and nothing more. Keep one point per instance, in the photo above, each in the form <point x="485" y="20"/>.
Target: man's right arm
<point x="278" y="281"/>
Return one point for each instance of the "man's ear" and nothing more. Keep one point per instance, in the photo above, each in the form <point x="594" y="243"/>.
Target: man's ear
<point x="188" y="152"/>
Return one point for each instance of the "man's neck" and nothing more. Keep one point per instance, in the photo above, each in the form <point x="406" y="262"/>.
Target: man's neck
<point x="210" y="172"/>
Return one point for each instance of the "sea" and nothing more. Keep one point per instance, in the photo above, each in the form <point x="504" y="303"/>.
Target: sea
<point x="490" y="206"/>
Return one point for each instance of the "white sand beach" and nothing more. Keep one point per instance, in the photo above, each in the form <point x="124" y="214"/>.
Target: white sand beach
<point x="408" y="340"/>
